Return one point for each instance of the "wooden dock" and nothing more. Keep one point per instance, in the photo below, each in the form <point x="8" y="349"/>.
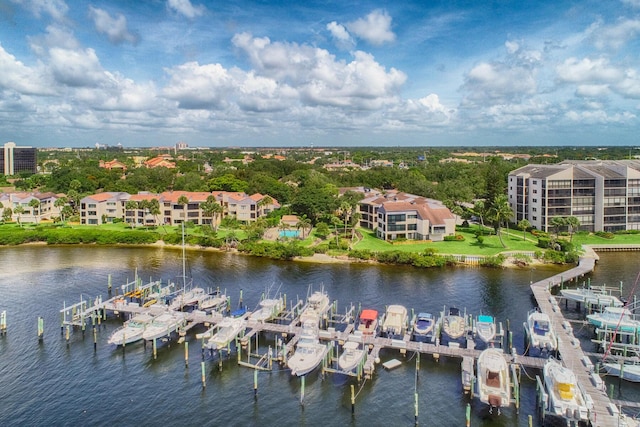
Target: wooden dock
<point x="602" y="414"/>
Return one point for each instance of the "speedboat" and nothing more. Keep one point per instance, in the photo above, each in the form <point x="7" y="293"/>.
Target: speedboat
<point x="423" y="326"/>
<point x="494" y="385"/>
<point x="615" y="318"/>
<point x="396" y="321"/>
<point x="368" y="322"/>
<point x="591" y="296"/>
<point x="485" y="328"/>
<point x="540" y="333"/>
<point x="453" y="326"/>
<point x="269" y="309"/>
<point x="213" y="302"/>
<point x="316" y="307"/>
<point x="131" y="331"/>
<point x="629" y="371"/>
<point x="353" y="353"/>
<point x="226" y="331"/>
<point x="309" y="351"/>
<point x="163" y="325"/>
<point x="565" y="396"/>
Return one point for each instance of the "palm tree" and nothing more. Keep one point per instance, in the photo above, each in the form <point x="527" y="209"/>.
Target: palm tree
<point x="524" y="225"/>
<point x="154" y="209"/>
<point x="208" y="207"/>
<point x="500" y="212"/>
<point x="18" y="210"/>
<point x="183" y="201"/>
<point x="304" y="223"/>
<point x="6" y="214"/>
<point x="34" y="204"/>
<point x="60" y="203"/>
<point x="132" y="206"/>
<point x="480" y="210"/>
<point x="265" y="201"/>
<point x="556" y="222"/>
<point x="217" y="210"/>
<point x="573" y="223"/>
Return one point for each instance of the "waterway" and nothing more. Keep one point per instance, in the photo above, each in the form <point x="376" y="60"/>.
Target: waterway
<point x="58" y="383"/>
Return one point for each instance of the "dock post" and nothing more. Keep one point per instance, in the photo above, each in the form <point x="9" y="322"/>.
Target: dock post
<point x="415" y="403"/>
<point x="417" y="366"/>
<point x="255" y="384"/>
<point x="468" y="414"/>
<point x="353" y="400"/>
<point x="109" y="285"/>
<point x="530" y="418"/>
<point x="611" y="387"/>
<point x="67" y="333"/>
<point x="40" y="328"/>
<point x="204" y="378"/>
<point x="95" y="339"/>
<point x="3" y="323"/>
<point x="302" y="390"/>
<point x="186" y="354"/>
<point x="155" y="349"/>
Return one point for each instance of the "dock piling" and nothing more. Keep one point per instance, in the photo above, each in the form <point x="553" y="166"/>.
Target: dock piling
<point x="255" y="384"/>
<point x="40" y="328"/>
<point x="353" y="399"/>
<point x="3" y="323"/>
<point x="204" y="379"/>
<point x="186" y="354"/>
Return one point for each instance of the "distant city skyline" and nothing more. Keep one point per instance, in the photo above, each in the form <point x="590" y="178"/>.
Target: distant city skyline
<point x="256" y="74"/>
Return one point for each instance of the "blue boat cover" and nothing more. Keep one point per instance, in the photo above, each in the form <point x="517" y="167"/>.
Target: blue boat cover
<point x="485" y="319"/>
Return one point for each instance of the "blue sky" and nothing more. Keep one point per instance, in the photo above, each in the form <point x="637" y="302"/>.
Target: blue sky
<point x="322" y="73"/>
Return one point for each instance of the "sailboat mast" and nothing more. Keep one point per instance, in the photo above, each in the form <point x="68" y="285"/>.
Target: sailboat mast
<point x="184" y="260"/>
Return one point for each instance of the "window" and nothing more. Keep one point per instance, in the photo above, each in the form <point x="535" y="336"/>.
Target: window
<point x="534" y="218"/>
<point x="534" y="200"/>
<point x="535" y="191"/>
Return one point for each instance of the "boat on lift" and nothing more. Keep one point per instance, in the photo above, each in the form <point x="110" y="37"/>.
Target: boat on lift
<point x="424" y="326"/>
<point x="540" y="334"/>
<point x="627" y="370"/>
<point x="309" y="350"/>
<point x="615" y="318"/>
<point x="269" y="309"/>
<point x="453" y="326"/>
<point x="132" y="330"/>
<point x="565" y="398"/>
<point x="396" y="321"/>
<point x="592" y="296"/>
<point x="225" y="332"/>
<point x="316" y="307"/>
<point x="164" y="324"/>
<point x="368" y="322"/>
<point x="486" y="328"/>
<point x="352" y="354"/>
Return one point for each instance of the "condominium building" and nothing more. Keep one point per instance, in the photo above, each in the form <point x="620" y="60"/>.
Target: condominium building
<point x="603" y="195"/>
<point x="45" y="208"/>
<point x="14" y="159"/>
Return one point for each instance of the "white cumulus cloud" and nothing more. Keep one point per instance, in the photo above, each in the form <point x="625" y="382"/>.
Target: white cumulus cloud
<point x="184" y="7"/>
<point x="375" y="28"/>
<point x="76" y="68"/>
<point x="115" y="28"/>
<point x="340" y="35"/>
<point x="574" y="70"/>
<point x="197" y="86"/>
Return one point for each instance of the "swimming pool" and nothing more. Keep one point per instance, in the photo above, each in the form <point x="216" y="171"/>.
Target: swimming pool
<point x="289" y="233"/>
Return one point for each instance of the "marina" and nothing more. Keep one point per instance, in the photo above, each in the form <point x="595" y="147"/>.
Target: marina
<point x="266" y="345"/>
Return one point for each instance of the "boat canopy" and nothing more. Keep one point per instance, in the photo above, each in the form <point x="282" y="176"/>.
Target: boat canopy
<point x="485" y="319"/>
<point x="369" y="315"/>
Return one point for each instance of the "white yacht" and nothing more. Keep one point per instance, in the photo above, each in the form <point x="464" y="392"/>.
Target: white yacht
<point x="615" y="318"/>
<point x="540" y="334"/>
<point x="269" y="309"/>
<point x="396" y="321"/>
<point x="226" y="331"/>
<point x="309" y="351"/>
<point x="566" y="399"/>
<point x="485" y="328"/>
<point x="352" y="354"/>
<point x="163" y="325"/>
<point x="316" y="307"/>
<point x="131" y="331"/>
<point x="591" y="296"/>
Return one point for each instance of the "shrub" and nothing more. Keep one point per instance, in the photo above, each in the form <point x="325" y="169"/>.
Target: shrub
<point x="604" y="234"/>
<point x="492" y="261"/>
<point x="363" y="254"/>
<point x="454" y="238"/>
<point x="544" y="242"/>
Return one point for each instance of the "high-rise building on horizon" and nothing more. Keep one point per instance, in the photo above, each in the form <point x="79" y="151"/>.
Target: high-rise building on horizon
<point x="15" y="159"/>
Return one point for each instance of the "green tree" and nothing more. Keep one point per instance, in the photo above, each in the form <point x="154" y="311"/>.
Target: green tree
<point x="60" y="203"/>
<point x="574" y="224"/>
<point x="183" y="201"/>
<point x="154" y="210"/>
<point x="6" y="214"/>
<point x="303" y="223"/>
<point x="557" y="222"/>
<point x="208" y="208"/>
<point x="18" y="210"/>
<point x="500" y="213"/>
<point x="34" y="204"/>
<point x="322" y="230"/>
<point x="132" y="206"/>
<point x="524" y="225"/>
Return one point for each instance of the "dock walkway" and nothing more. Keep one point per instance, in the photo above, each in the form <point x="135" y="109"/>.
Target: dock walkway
<point x="569" y="347"/>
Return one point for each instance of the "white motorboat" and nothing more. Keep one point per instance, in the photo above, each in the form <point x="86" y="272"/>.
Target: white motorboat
<point x="213" y="302"/>
<point x="494" y="384"/>
<point x="368" y="322"/>
<point x="629" y="371"/>
<point x="131" y="331"/>
<point x="591" y="296"/>
<point x="453" y="325"/>
<point x="188" y="298"/>
<point x="269" y="309"/>
<point x="226" y="331"/>
<point x="353" y="353"/>
<point x="615" y="318"/>
<point x="316" y="307"/>
<point x="540" y="333"/>
<point x="163" y="325"/>
<point x="396" y="320"/>
<point x="565" y="398"/>
<point x="485" y="328"/>
<point x="423" y="327"/>
<point x="309" y="351"/>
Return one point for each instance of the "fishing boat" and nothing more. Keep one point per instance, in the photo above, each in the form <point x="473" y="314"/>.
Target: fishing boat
<point x="453" y="326"/>
<point x="539" y="332"/>
<point x="423" y="326"/>
<point x="316" y="307"/>
<point x="352" y="354"/>
<point x="188" y="298"/>
<point x="485" y="328"/>
<point x="615" y="318"/>
<point x="629" y="370"/>
<point x="396" y="321"/>
<point x="494" y="384"/>
<point x="163" y="325"/>
<point x="309" y="351"/>
<point x="368" y="322"/>
<point x="225" y="332"/>
<point x="565" y="398"/>
<point x="131" y="331"/>
<point x="592" y="296"/>
<point x="269" y="309"/>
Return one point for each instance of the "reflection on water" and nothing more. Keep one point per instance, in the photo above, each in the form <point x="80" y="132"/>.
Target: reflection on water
<point x="55" y="383"/>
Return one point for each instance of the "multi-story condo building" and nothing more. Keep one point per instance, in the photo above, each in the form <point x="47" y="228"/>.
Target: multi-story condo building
<point x="395" y="215"/>
<point x="45" y="209"/>
<point x="14" y="159"/>
<point x="603" y="195"/>
<point x="102" y="208"/>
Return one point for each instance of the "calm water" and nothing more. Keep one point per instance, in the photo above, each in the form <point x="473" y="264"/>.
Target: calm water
<point x="52" y="383"/>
